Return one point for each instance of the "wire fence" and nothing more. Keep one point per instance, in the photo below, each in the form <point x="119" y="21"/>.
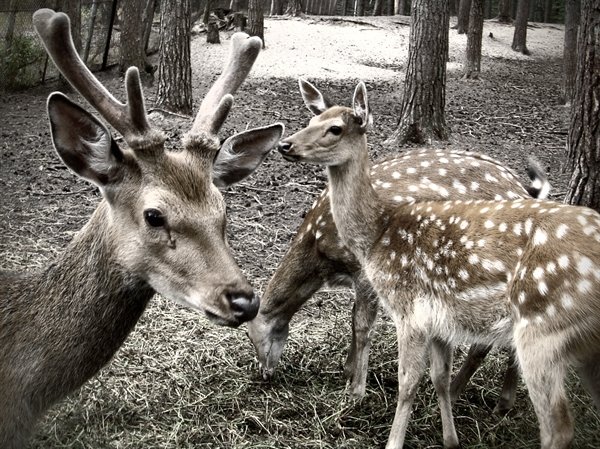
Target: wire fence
<point x="23" y="61"/>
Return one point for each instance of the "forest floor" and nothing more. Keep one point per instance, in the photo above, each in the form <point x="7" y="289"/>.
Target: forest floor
<point x="182" y="382"/>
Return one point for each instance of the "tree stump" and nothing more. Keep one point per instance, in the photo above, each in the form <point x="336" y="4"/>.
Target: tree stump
<point x="212" y="34"/>
<point x="239" y="21"/>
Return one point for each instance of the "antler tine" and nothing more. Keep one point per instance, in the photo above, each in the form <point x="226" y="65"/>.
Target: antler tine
<point x="218" y="101"/>
<point x="129" y="119"/>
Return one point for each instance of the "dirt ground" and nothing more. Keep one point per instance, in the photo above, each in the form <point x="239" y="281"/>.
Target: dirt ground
<point x="180" y="381"/>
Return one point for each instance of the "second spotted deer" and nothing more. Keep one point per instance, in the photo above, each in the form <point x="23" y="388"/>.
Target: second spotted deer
<point x="317" y="256"/>
<point x="520" y="273"/>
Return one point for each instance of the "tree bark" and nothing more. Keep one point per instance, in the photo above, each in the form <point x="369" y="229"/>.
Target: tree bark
<point x="256" y="19"/>
<point x="206" y="14"/>
<point x="572" y="17"/>
<point x="547" y="11"/>
<point x="148" y="20"/>
<point x="520" y="36"/>
<point x="378" y="8"/>
<point x="72" y="8"/>
<point x="10" y="23"/>
<point x="399" y="7"/>
<point x="422" y="115"/>
<point x="464" y="10"/>
<point x="294" y="8"/>
<point x="90" y="35"/>
<point x="132" y="36"/>
<point x="473" y="56"/>
<point x="504" y="11"/>
<point x="212" y="33"/>
<point x="359" y="7"/>
<point x="276" y="7"/>
<point x="175" y="68"/>
<point x="584" y="131"/>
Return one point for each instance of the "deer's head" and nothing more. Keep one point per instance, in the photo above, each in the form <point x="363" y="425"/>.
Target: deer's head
<point x="333" y="133"/>
<point x="163" y="213"/>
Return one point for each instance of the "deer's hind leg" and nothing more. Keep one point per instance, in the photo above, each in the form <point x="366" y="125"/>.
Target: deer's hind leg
<point x="590" y="377"/>
<point x="412" y="361"/>
<point x="441" y="364"/>
<point x="544" y="376"/>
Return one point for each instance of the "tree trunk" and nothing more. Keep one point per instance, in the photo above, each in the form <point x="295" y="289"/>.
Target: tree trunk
<point x="547" y="11"/>
<point x="276" y="7"/>
<point x="206" y="14"/>
<point x="473" y="62"/>
<point x="572" y="16"/>
<point x="294" y="8"/>
<point x="462" y="22"/>
<point x="390" y="8"/>
<point x="520" y="36"/>
<point x="175" y="68"/>
<point x="10" y="23"/>
<point x="422" y="116"/>
<point x="504" y="11"/>
<point x="256" y="19"/>
<point x="234" y="5"/>
<point x="132" y="36"/>
<point x="378" y="8"/>
<point x="72" y="8"/>
<point x="345" y="7"/>
<point x="359" y="7"/>
<point x="212" y="33"/>
<point x="90" y="36"/>
<point x="584" y="131"/>
<point x="148" y="20"/>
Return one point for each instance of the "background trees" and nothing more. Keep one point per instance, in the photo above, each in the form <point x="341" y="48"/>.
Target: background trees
<point x="175" y="69"/>
<point x="422" y="115"/>
<point x="584" y="131"/>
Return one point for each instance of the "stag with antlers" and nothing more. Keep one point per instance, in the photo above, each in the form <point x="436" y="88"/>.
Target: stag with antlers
<point x="159" y="228"/>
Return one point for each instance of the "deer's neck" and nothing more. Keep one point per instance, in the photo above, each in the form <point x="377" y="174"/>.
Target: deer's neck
<point x="357" y="210"/>
<point x="78" y="312"/>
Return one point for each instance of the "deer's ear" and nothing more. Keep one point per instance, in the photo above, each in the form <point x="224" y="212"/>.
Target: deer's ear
<point x="82" y="142"/>
<point x="242" y="153"/>
<point x="313" y="99"/>
<point x="360" y="104"/>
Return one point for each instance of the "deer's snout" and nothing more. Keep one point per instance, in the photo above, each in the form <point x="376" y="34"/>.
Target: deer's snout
<point x="286" y="150"/>
<point x="244" y="305"/>
<point x="284" y="147"/>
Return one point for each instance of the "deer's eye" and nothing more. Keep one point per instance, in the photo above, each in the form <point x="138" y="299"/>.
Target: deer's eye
<point x="154" y="218"/>
<point x="335" y="130"/>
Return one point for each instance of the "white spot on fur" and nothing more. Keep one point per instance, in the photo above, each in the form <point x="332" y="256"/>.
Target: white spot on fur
<point x="538" y="273"/>
<point x="542" y="288"/>
<point x="489" y="224"/>
<point x="561" y="231"/>
<point x="473" y="258"/>
<point x="502" y="227"/>
<point x="563" y="261"/>
<point x="540" y="237"/>
<point x="517" y="228"/>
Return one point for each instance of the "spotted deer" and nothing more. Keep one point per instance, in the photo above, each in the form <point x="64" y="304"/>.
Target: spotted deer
<point x="523" y="273"/>
<point x="160" y="228"/>
<point x="317" y="256"/>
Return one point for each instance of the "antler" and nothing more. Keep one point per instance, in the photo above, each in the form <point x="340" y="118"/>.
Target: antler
<point x="130" y="118"/>
<point x="218" y="101"/>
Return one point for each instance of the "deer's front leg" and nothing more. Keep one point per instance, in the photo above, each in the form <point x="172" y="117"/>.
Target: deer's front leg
<point x="441" y="364"/>
<point x="364" y="313"/>
<point x="412" y="361"/>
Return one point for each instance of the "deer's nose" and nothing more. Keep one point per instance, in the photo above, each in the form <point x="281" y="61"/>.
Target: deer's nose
<point x="284" y="147"/>
<point x="244" y="305"/>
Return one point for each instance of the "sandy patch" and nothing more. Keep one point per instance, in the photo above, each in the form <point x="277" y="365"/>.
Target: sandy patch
<point x="376" y="49"/>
